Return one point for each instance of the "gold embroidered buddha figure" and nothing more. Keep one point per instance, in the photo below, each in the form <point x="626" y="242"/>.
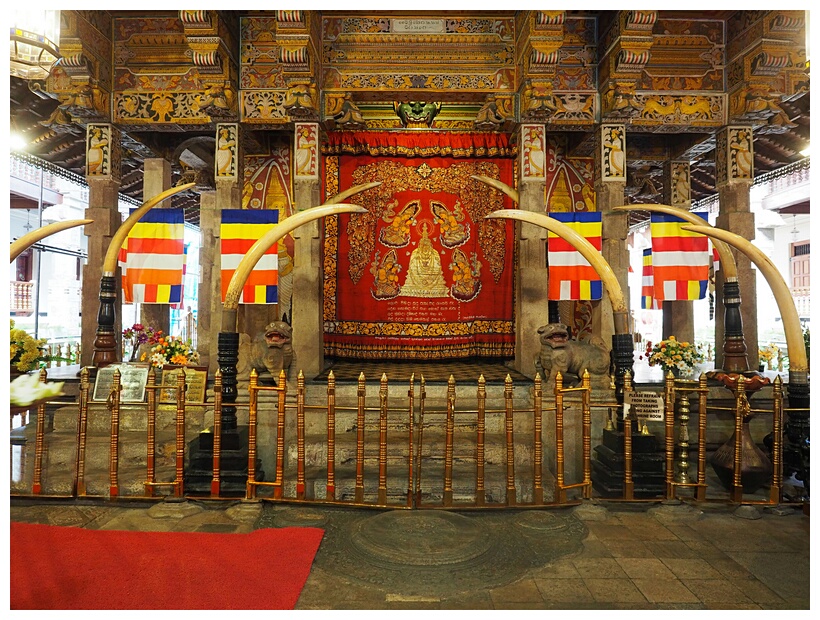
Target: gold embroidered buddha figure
<point x="424" y="275"/>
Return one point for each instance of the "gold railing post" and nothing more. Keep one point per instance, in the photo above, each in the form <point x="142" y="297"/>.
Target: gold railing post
<point x="422" y="399"/>
<point x="382" y="491"/>
<point x="39" y="442"/>
<point x="359" y="491"/>
<point x="279" y="489"/>
<point x="777" y="441"/>
<point x="537" y="484"/>
<point x="741" y="407"/>
<point x="253" y="400"/>
<point x="669" y="421"/>
<point x="703" y="393"/>
<point x="151" y="439"/>
<point x="411" y="395"/>
<point x="114" y="456"/>
<point x="179" y="481"/>
<point x="508" y="418"/>
<point x="480" y="493"/>
<point x="448" y="442"/>
<point x="587" y="434"/>
<point x="300" y="436"/>
<point x="82" y="435"/>
<point x="217" y="438"/>
<point x="330" y="492"/>
<point x="560" y="492"/>
<point x="629" y="483"/>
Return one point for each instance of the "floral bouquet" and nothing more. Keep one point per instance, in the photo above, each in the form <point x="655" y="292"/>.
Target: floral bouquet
<point x="672" y="354"/>
<point x="137" y="335"/>
<point x="172" y="350"/>
<point x="28" y="353"/>
<point x="768" y="355"/>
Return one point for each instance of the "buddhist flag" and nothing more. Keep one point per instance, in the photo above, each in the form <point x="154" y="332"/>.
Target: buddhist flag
<point x="570" y="274"/>
<point x="240" y="229"/>
<point x="181" y="304"/>
<point x="680" y="259"/>
<point x="152" y="258"/>
<point x="648" y="301"/>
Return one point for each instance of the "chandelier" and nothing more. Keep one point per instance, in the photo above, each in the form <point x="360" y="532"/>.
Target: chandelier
<point x="34" y="43"/>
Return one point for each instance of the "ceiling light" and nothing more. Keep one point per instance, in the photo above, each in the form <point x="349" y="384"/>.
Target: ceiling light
<point x="34" y="41"/>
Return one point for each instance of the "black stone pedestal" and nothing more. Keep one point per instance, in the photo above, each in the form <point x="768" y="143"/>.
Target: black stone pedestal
<point x="648" y="466"/>
<point x="233" y="473"/>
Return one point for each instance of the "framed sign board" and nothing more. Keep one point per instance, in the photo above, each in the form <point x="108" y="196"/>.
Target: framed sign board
<point x="196" y="382"/>
<point x="133" y="378"/>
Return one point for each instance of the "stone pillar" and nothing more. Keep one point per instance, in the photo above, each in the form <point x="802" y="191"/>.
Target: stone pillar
<point x="103" y="177"/>
<point x="678" y="316"/>
<point x="531" y="308"/>
<point x="735" y="174"/>
<point x="209" y="305"/>
<point x="156" y="179"/>
<point x="308" y="293"/>
<point x="610" y="183"/>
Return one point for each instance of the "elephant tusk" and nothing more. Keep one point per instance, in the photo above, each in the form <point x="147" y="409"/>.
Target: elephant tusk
<point x="341" y="196"/>
<point x="29" y="239"/>
<point x="499" y="185"/>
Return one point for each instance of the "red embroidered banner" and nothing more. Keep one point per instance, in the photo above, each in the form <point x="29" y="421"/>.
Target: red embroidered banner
<point x="422" y="274"/>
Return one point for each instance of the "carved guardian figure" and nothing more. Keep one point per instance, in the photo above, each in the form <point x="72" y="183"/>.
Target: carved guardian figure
<point x="270" y="351"/>
<point x="569" y="357"/>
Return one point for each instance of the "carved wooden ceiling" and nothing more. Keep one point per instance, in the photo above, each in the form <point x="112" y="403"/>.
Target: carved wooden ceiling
<point x="702" y="44"/>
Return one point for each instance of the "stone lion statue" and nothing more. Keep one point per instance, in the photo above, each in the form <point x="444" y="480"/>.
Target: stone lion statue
<point x="570" y="357"/>
<point x="269" y="352"/>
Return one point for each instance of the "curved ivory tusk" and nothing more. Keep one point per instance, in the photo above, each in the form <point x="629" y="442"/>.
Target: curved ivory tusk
<point x="798" y="360"/>
<point x="254" y="254"/>
<point x="341" y="196"/>
<point x="727" y="261"/>
<point x="586" y="249"/>
<point x="110" y="261"/>
<point x="29" y="239"/>
<point x="499" y="185"/>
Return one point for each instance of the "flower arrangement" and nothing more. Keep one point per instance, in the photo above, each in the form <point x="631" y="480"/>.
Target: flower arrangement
<point x="139" y="334"/>
<point x="172" y="350"/>
<point x="768" y="355"/>
<point x="672" y="354"/>
<point x="28" y="353"/>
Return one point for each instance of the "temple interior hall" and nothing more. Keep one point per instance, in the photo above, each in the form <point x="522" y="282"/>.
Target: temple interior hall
<point x="450" y="309"/>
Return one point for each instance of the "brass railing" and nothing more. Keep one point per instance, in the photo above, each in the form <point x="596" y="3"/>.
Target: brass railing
<point x="411" y="418"/>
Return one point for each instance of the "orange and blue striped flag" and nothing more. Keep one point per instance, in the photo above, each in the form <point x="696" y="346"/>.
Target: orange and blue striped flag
<point x="240" y="229"/>
<point x="648" y="301"/>
<point x="570" y="274"/>
<point x="680" y="259"/>
<point x="152" y="257"/>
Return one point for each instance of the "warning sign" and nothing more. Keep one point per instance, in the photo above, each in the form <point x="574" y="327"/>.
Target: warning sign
<point x="643" y="406"/>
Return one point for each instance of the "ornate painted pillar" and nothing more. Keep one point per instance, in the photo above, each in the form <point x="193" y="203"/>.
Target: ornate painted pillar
<point x="308" y="293"/>
<point x="734" y="159"/>
<point x="610" y="182"/>
<point x="209" y="307"/>
<point x="678" y="316"/>
<point x="156" y="179"/>
<point x="228" y="180"/>
<point x="101" y="296"/>
<point x="531" y="308"/>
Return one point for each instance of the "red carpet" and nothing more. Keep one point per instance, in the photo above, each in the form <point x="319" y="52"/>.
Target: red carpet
<point x="73" y="568"/>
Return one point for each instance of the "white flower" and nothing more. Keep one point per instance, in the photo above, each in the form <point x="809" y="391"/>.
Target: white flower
<point x="26" y="389"/>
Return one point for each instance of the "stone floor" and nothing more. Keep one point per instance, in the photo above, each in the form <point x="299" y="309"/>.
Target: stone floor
<point x="594" y="556"/>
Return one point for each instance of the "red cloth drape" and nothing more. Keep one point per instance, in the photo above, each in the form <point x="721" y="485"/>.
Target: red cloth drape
<point x="418" y="144"/>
